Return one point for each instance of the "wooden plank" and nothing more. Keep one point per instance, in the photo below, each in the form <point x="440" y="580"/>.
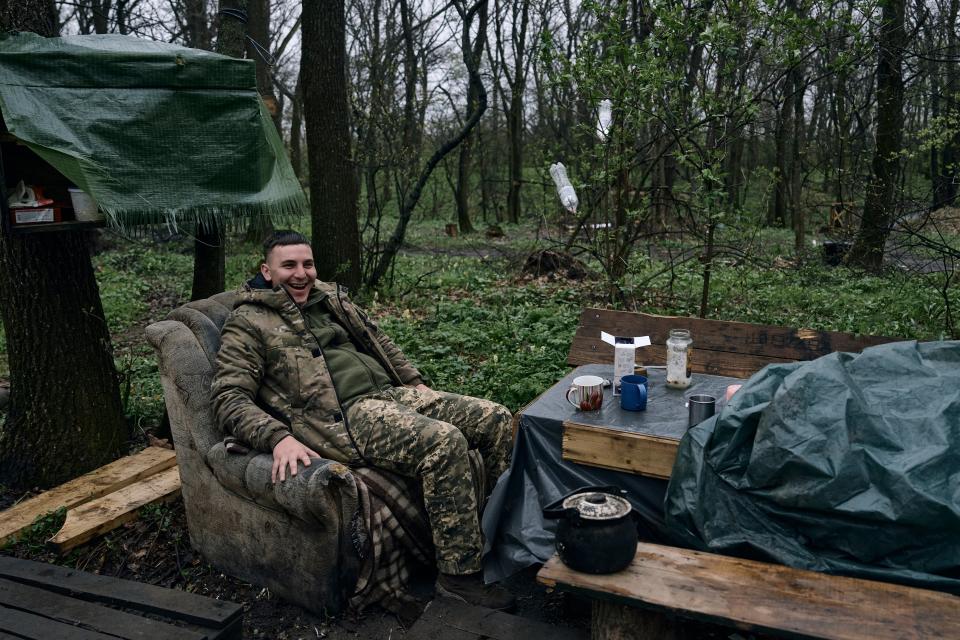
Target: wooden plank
<point x="718" y="335"/>
<point x="719" y="363"/>
<point x="34" y="627"/>
<point x="174" y="604"/>
<point x="647" y="455"/>
<point x="447" y="619"/>
<point x="53" y="227"/>
<point x="98" y="482"/>
<point x="98" y="516"/>
<point x="766" y="597"/>
<point x="91" y="615"/>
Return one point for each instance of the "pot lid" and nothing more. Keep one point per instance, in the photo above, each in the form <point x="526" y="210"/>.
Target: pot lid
<point x="597" y="505"/>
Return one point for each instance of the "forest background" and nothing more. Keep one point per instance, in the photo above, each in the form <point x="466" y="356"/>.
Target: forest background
<point x="717" y="148"/>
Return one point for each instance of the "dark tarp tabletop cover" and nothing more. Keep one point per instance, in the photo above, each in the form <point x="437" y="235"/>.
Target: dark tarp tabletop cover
<point x="155" y="132"/>
<point x="849" y="464"/>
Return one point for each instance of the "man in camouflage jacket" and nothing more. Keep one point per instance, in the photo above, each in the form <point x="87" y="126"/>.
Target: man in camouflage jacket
<point x="302" y="373"/>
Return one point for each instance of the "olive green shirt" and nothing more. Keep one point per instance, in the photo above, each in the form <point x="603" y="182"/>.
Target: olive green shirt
<point x="354" y="373"/>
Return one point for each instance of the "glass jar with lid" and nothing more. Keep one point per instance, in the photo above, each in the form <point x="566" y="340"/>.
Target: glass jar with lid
<point x="678" y="358"/>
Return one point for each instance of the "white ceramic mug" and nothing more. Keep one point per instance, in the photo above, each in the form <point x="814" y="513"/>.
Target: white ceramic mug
<point x="587" y="393"/>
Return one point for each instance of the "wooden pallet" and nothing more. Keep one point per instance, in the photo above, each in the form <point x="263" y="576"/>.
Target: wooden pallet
<point x="42" y="601"/>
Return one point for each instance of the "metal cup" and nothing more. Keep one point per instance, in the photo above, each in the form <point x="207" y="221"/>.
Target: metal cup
<point x="701" y="407"/>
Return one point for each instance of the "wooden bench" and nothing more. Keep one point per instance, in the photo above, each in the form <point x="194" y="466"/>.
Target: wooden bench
<point x="736" y="349"/>
<point x="663" y="582"/>
<point x="666" y="582"/>
<point x="45" y="601"/>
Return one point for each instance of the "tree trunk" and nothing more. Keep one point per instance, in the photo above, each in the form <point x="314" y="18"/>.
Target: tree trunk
<point x="796" y="165"/>
<point x="209" y="256"/>
<point x="261" y="226"/>
<point x="945" y="188"/>
<point x="515" y="133"/>
<point x="65" y="416"/>
<point x="197" y="30"/>
<point x="333" y="181"/>
<point x="465" y="165"/>
<point x="296" y="131"/>
<point x="777" y="213"/>
<point x="462" y="190"/>
<point x="515" y="111"/>
<point x="841" y="127"/>
<point x="879" y="204"/>
<point x="101" y="14"/>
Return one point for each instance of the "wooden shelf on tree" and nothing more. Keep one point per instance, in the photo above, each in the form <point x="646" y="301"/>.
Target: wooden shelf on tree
<point x="51" y="227"/>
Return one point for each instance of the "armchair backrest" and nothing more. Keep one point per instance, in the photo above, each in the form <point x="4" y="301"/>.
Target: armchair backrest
<point x="186" y="344"/>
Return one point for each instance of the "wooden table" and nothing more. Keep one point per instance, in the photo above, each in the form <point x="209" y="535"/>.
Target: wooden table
<point x="45" y="601"/>
<point x="640" y="442"/>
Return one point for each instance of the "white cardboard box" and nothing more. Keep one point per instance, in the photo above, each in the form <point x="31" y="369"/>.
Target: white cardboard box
<point x="624" y="356"/>
<point x="34" y="215"/>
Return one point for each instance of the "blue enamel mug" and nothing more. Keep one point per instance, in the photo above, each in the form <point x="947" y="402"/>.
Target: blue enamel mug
<point x="633" y="393"/>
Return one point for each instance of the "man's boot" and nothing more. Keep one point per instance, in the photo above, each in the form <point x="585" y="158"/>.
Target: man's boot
<point x="469" y="588"/>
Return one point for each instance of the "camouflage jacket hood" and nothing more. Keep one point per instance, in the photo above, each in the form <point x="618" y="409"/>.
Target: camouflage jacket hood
<point x="272" y="379"/>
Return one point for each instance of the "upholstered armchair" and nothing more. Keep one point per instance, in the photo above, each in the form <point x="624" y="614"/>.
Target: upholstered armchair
<point x="301" y="538"/>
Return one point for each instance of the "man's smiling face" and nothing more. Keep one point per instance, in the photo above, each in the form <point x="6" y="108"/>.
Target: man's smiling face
<point x="291" y="266"/>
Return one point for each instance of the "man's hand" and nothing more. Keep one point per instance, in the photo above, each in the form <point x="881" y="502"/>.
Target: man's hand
<point x="287" y="453"/>
<point x="422" y="387"/>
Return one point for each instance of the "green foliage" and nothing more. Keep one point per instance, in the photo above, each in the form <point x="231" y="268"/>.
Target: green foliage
<point x="140" y="391"/>
<point x="472" y="331"/>
<point x="460" y="310"/>
<point x="808" y="294"/>
<point x="129" y="276"/>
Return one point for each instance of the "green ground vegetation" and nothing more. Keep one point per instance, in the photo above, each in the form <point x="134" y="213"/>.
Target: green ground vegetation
<point x="464" y="312"/>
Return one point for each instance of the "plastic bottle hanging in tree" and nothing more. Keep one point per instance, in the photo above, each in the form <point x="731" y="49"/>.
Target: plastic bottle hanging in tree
<point x="568" y="197"/>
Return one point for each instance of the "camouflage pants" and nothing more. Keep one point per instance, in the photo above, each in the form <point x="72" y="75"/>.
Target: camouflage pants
<point x="426" y="435"/>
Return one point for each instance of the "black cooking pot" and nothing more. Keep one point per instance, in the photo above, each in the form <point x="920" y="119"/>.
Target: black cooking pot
<point x="596" y="532"/>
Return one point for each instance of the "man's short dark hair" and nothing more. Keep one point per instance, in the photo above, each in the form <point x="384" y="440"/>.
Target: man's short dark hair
<point x="282" y="238"/>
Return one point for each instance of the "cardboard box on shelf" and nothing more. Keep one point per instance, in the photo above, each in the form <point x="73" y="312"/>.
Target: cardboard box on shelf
<point x="36" y="215"/>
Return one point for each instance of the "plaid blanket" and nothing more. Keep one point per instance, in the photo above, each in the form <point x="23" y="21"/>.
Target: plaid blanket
<point x="393" y="535"/>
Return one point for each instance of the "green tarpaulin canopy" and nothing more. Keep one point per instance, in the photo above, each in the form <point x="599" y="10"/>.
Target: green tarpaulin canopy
<point x="157" y="133"/>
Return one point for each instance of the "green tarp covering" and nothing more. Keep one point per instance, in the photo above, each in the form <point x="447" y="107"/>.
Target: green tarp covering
<point x="157" y="133"/>
<point x="849" y="464"/>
